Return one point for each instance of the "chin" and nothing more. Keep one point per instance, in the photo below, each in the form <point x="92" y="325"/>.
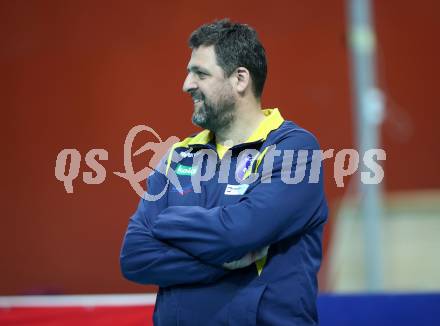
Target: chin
<point x="198" y="120"/>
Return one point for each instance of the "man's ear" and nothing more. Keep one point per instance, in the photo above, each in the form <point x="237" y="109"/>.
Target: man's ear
<point x="243" y="79"/>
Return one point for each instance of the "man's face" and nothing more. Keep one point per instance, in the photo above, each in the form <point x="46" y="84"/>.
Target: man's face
<point x="212" y="92"/>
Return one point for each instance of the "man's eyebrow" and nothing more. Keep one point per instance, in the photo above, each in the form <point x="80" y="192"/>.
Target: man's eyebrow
<point x="196" y="69"/>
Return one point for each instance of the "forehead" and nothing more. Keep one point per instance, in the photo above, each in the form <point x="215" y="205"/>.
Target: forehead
<point x="204" y="57"/>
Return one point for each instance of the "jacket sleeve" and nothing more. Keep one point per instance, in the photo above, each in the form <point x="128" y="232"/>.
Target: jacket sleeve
<point x="147" y="260"/>
<point x="268" y="213"/>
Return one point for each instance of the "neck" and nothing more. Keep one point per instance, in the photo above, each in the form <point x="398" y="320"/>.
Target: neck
<point x="248" y="117"/>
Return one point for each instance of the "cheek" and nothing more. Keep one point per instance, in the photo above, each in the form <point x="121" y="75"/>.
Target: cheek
<point x="226" y="93"/>
<point x="204" y="89"/>
<point x="216" y="91"/>
<point x="208" y="93"/>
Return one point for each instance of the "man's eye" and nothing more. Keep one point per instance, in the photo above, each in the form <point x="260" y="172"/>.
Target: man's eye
<point x="201" y="75"/>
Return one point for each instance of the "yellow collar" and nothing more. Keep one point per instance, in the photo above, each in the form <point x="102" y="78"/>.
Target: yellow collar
<point x="272" y="121"/>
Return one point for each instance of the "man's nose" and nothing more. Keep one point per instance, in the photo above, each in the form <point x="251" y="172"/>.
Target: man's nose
<point x="189" y="84"/>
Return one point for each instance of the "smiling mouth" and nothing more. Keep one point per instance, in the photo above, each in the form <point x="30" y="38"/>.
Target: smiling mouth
<point x="197" y="98"/>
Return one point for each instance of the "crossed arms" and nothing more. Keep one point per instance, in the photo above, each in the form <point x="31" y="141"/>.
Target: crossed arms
<point x="191" y="244"/>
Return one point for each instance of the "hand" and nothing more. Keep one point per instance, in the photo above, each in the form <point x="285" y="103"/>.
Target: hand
<point x="247" y="260"/>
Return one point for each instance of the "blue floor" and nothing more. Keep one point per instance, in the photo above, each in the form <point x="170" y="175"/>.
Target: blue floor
<point x="379" y="309"/>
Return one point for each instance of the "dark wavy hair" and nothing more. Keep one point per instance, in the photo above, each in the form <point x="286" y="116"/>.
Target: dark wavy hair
<point x="236" y="45"/>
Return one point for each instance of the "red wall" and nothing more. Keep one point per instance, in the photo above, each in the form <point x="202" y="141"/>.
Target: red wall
<point x="80" y="74"/>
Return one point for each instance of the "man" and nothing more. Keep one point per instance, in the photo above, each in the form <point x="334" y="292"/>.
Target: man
<point x="233" y="236"/>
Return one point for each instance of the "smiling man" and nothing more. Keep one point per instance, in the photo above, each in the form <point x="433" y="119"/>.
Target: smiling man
<point x="213" y="96"/>
<point x="225" y="102"/>
<point x="244" y="247"/>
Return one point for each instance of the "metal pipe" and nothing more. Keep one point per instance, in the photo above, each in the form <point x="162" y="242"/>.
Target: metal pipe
<point x="368" y="101"/>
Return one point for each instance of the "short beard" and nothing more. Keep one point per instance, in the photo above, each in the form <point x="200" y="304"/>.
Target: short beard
<point x="215" y="116"/>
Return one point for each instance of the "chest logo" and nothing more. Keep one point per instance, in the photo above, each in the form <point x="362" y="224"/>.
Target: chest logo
<point x="243" y="167"/>
<point x="185" y="170"/>
<point x="236" y="189"/>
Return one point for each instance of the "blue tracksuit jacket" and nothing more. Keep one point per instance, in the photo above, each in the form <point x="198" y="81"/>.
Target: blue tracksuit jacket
<point x="181" y="240"/>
